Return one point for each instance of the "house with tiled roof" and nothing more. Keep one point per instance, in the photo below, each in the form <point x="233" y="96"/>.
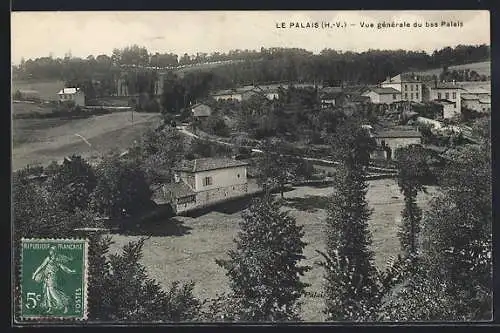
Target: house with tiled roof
<point x="203" y="182"/>
<point x="447" y="91"/>
<point x="75" y="95"/>
<point x="380" y="95"/>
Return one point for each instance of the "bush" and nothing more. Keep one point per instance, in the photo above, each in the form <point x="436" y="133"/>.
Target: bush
<point x="120" y="290"/>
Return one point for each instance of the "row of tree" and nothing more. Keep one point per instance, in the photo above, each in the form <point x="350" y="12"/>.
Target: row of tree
<point x="266" y="65"/>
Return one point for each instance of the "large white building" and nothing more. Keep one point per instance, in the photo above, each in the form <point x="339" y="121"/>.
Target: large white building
<point x="75" y="95"/>
<point x="408" y="85"/>
<point x="206" y="181"/>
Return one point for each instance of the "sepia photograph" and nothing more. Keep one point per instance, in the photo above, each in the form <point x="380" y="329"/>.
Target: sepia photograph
<point x="251" y="167"/>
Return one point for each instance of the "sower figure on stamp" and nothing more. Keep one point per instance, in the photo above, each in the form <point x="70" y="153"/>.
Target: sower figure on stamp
<point x="46" y="273"/>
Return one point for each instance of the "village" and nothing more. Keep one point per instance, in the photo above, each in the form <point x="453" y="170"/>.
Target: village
<point x="274" y="184"/>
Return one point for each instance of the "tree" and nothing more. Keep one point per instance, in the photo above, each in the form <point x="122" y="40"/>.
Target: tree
<point x="122" y="188"/>
<point x="274" y="168"/>
<point x="351" y="288"/>
<point x="263" y="270"/>
<point x="72" y="183"/>
<point x="457" y="240"/>
<point x="412" y="172"/>
<point x="160" y="150"/>
<point x="18" y="95"/>
<point x="120" y="290"/>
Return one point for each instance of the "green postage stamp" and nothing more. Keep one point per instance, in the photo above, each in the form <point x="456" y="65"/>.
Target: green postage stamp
<point x="54" y="279"/>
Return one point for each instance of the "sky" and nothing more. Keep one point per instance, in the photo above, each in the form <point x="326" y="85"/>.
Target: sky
<point x="38" y="34"/>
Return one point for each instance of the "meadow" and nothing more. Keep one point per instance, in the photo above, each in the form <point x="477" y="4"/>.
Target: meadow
<point x="185" y="248"/>
<point x="47" y="89"/>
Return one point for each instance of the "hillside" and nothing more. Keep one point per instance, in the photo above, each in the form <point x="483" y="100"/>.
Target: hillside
<point x="44" y="140"/>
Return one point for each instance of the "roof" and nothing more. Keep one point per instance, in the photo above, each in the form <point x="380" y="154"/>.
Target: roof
<point x="397" y="134"/>
<point x="358" y="98"/>
<point x="384" y="91"/>
<point x="446" y="85"/>
<point x="331" y="94"/>
<point x="443" y="101"/>
<point x="469" y="97"/>
<point x="403" y="77"/>
<point x="476" y="90"/>
<point x="201" y="110"/>
<point x="209" y="163"/>
<point x="179" y="190"/>
<point x="68" y="91"/>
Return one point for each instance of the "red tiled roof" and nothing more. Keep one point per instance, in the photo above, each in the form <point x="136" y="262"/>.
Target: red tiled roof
<point x="209" y="163"/>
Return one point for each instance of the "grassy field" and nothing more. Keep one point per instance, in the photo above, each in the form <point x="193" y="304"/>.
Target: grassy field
<point x="25" y="107"/>
<point x="44" y="140"/>
<point x="187" y="252"/>
<point x="47" y="89"/>
<point x="482" y="68"/>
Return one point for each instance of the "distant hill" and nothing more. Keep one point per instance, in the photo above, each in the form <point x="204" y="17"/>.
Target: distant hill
<point x="482" y="68"/>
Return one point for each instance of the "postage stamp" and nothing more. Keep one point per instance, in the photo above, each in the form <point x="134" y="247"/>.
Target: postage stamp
<point x="54" y="279"/>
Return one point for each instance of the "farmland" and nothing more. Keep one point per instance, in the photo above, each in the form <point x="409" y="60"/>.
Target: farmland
<point x="189" y="251"/>
<point x="44" y="140"/>
<point x="47" y="89"/>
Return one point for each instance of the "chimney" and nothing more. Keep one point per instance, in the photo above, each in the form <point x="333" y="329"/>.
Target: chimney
<point x="454" y="82"/>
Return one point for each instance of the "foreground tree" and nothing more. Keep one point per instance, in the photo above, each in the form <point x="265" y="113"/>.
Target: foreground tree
<point x="351" y="288"/>
<point x="72" y="183"/>
<point x="122" y="188"/>
<point x="457" y="236"/>
<point x="411" y="176"/>
<point x="120" y="290"/>
<point x="275" y="169"/>
<point x="159" y="151"/>
<point x="453" y="278"/>
<point x="263" y="270"/>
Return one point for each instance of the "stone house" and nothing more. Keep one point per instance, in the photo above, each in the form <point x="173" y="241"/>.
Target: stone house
<point x="205" y="181"/>
<point x="383" y="95"/>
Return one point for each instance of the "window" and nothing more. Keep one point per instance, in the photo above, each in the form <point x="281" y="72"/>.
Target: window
<point x="411" y="86"/>
<point x="406" y="95"/>
<point x="416" y="95"/>
<point x="238" y="175"/>
<point x="411" y="95"/>
<point x="393" y="97"/>
<point x="447" y="95"/>
<point x="207" y="181"/>
<point x="439" y="95"/>
<point x="454" y="95"/>
<point x="406" y="87"/>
